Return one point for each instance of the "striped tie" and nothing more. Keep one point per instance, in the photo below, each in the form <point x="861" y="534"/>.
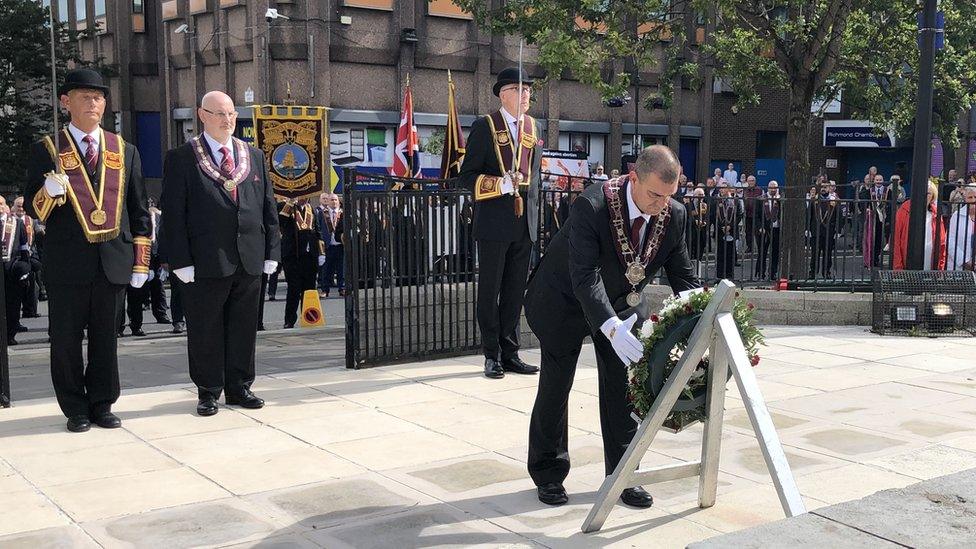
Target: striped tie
<point x="91" y="153"/>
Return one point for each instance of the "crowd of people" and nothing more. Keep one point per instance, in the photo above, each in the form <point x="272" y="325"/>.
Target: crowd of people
<point x="731" y="219"/>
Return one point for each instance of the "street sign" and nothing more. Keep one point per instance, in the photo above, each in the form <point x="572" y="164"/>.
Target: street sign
<point x="831" y="163"/>
<point x="939" y="29"/>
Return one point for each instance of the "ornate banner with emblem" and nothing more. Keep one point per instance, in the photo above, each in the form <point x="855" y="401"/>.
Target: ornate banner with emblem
<point x="295" y="142"/>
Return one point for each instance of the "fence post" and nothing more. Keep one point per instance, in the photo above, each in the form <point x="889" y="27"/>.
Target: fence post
<point x="350" y="266"/>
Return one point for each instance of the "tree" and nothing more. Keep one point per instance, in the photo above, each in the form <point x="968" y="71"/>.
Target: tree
<point x="809" y="48"/>
<point x="25" y="80"/>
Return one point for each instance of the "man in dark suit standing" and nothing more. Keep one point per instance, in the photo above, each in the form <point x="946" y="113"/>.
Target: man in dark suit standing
<point x="302" y="253"/>
<point x="220" y="234"/>
<point x="501" y="165"/>
<point x="16" y="267"/>
<point x="93" y="204"/>
<point x="330" y="225"/>
<point x="619" y="235"/>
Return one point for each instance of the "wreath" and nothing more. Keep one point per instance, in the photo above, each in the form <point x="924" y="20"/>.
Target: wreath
<point x="665" y="338"/>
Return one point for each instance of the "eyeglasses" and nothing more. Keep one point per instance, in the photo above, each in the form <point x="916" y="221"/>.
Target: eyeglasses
<point x="232" y="114"/>
<point x="525" y="89"/>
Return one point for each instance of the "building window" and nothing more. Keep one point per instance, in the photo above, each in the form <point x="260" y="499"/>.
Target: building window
<point x="446" y="8"/>
<point x="81" y="15"/>
<point x="138" y="16"/>
<point x="170" y="10"/>
<point x="63" y="11"/>
<point x="100" y="19"/>
<point x="386" y="5"/>
<point x="199" y="6"/>
<point x="229" y="3"/>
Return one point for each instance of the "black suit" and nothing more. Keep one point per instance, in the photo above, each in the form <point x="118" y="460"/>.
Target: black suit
<point x="504" y="244"/>
<point x="300" y="250"/>
<point x="579" y="285"/>
<point x="227" y="243"/>
<point x="85" y="284"/>
<point x="15" y="267"/>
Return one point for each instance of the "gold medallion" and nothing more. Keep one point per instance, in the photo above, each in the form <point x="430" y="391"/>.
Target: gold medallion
<point x="98" y="217"/>
<point x="229" y="185"/>
<point x="633" y="299"/>
<point x="634" y="273"/>
<point x="502" y="138"/>
<point x="113" y="160"/>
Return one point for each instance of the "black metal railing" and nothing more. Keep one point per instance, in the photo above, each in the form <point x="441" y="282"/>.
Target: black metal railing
<point x="410" y="269"/>
<point x="4" y="358"/>
<point x="411" y="263"/>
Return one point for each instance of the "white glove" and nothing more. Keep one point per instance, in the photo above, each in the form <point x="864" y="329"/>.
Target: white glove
<point x="321" y="260"/>
<point x="624" y="343"/>
<point x="185" y="274"/>
<point x="508" y="187"/>
<point x="54" y="184"/>
<point x="806" y="234"/>
<point x="138" y="279"/>
<point x="152" y="275"/>
<point x="270" y="266"/>
<point x="163" y="275"/>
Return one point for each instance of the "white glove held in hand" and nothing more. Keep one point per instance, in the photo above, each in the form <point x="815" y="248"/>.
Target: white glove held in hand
<point x="138" y="279"/>
<point x="185" y="274"/>
<point x="624" y="343"/>
<point x="163" y="275"/>
<point x="54" y="185"/>
<point x="508" y="187"/>
<point x="270" y="266"/>
<point x="321" y="260"/>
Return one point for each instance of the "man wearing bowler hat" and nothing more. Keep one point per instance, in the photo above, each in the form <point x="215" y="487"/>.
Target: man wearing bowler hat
<point x="501" y="164"/>
<point x="86" y="185"/>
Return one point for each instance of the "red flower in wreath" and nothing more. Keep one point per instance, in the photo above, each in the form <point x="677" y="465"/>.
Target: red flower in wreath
<point x="687" y="308"/>
<point x="754" y="360"/>
<point x="751" y="306"/>
<point x="655" y="318"/>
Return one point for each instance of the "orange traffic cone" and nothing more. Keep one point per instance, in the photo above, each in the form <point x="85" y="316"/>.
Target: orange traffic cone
<point x="312" y="310"/>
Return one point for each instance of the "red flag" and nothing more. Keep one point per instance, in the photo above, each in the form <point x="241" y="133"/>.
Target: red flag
<point x="406" y="157"/>
<point x="453" y="154"/>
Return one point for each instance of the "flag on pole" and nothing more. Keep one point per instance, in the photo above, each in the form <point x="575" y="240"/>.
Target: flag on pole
<point x="406" y="157"/>
<point x="453" y="154"/>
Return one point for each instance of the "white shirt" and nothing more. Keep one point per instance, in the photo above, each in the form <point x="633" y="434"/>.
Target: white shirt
<point x="216" y="145"/>
<point x="512" y="124"/>
<point x="732" y="177"/>
<point x="635" y="212"/>
<point x="79" y="137"/>
<point x="334" y="216"/>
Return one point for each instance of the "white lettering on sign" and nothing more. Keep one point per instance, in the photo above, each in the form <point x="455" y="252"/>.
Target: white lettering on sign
<point x="831" y="162"/>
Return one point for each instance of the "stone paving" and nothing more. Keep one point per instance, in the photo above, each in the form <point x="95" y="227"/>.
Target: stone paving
<point x="432" y="454"/>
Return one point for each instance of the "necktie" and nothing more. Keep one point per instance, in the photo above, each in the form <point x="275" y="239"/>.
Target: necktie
<point x="227" y="166"/>
<point x="635" y="233"/>
<point x="91" y="153"/>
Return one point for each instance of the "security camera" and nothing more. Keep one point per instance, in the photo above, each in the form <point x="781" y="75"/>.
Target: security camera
<point x="182" y="29"/>
<point x="273" y="14"/>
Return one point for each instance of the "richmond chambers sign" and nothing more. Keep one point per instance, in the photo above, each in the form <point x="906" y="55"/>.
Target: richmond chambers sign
<point x="857" y="134"/>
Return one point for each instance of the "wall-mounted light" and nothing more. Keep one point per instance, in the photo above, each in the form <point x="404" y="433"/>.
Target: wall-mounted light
<point x="408" y="36"/>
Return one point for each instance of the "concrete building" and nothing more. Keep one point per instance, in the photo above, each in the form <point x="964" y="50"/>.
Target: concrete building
<point x="354" y="56"/>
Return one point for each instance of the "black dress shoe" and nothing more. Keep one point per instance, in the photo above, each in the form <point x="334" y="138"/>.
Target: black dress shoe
<point x="12" y="341"/>
<point x="178" y="327"/>
<point x="516" y="365"/>
<point x="21" y="328"/>
<point x="31" y="315"/>
<point x="261" y="327"/>
<point x="163" y="320"/>
<point x="552" y="494"/>
<point x="78" y="424"/>
<point x="121" y="333"/>
<point x="289" y="326"/>
<point x="494" y="369"/>
<point x="271" y="298"/>
<point x="246" y="400"/>
<point x="207" y="406"/>
<point x="637" y="497"/>
<point x="108" y="420"/>
<point x="138" y="332"/>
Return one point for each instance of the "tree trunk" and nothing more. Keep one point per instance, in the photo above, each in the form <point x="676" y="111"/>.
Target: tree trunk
<point x="797" y="181"/>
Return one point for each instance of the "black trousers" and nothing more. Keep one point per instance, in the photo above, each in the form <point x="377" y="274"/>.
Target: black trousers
<point x="822" y="254"/>
<point x="13" y="294"/>
<point x="331" y="272"/>
<point x="751" y="230"/>
<point x="271" y="284"/>
<point x="73" y="310"/>
<point x="30" y="293"/>
<point x="725" y="259"/>
<point x="548" y="459"/>
<point x="176" y="299"/>
<point x="157" y="297"/>
<point x="222" y="320"/>
<point x="503" y="271"/>
<point x="300" y="276"/>
<point x="767" y="240"/>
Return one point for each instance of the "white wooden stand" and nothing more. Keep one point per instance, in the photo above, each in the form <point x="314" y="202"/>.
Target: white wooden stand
<point x="716" y="332"/>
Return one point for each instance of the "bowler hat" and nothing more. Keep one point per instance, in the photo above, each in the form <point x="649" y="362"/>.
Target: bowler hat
<point x="509" y="76"/>
<point x="83" y="79"/>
